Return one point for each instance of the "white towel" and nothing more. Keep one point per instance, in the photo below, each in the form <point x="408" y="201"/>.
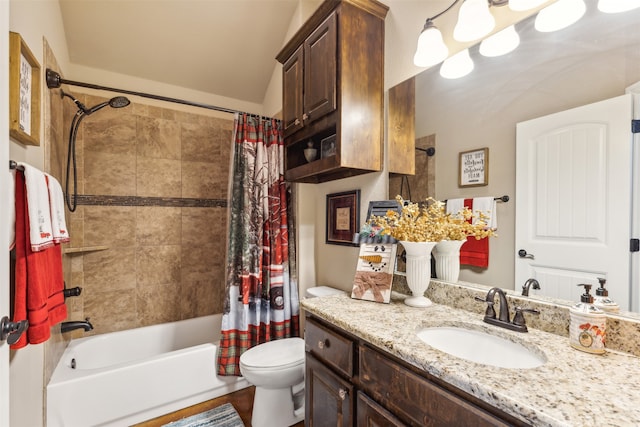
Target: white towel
<point x="454" y="206"/>
<point x="11" y="199"/>
<point x="41" y="234"/>
<point x="56" y="199"/>
<point x="486" y="205"/>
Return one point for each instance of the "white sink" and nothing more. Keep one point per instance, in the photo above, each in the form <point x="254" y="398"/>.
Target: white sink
<point x="481" y="347"/>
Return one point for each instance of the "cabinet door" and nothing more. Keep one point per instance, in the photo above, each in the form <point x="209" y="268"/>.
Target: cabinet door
<point x="370" y="414"/>
<point x="329" y="400"/>
<point x="292" y="84"/>
<point x="320" y="70"/>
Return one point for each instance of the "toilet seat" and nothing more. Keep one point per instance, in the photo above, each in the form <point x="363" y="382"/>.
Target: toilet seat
<point x="274" y="355"/>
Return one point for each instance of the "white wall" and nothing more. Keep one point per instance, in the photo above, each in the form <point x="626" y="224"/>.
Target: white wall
<point x="34" y="20"/>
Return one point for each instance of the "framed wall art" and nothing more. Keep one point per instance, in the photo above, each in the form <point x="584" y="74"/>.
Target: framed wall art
<point x="24" y="92"/>
<point x="343" y="217"/>
<point x="474" y="168"/>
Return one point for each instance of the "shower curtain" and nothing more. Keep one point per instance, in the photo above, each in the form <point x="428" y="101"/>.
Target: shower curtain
<point x="261" y="302"/>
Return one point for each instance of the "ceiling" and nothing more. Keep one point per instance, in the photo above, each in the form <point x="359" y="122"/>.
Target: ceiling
<point x="222" y="47"/>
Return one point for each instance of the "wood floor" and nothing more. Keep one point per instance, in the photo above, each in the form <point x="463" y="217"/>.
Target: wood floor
<point x="242" y="400"/>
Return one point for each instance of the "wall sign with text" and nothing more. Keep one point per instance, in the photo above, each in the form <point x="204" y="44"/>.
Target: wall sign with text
<point x="474" y="168"/>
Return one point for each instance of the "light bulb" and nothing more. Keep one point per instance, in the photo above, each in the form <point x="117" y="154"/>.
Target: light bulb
<point x="521" y="5"/>
<point x="459" y="65"/>
<point x="474" y="21"/>
<point x="616" y="6"/>
<point x="431" y="48"/>
<point x="500" y="43"/>
<point x="559" y="15"/>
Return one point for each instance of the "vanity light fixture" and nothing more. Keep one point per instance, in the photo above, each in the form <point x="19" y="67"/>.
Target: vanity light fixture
<point x="431" y="49"/>
<point x="616" y="6"/>
<point x="559" y="15"/>
<point x="459" y="65"/>
<point x="500" y="43"/>
<point x="474" y="21"/>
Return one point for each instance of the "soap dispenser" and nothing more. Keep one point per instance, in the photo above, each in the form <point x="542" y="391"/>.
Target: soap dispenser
<point x="602" y="300"/>
<point x="588" y="324"/>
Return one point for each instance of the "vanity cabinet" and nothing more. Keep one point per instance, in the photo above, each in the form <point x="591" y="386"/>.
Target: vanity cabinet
<point x="333" y="92"/>
<point x="351" y="383"/>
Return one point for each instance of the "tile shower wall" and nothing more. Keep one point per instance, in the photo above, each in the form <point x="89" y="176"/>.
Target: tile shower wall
<point x="150" y="226"/>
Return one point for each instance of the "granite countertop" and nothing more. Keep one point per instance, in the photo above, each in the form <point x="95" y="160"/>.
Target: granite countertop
<point x="572" y="388"/>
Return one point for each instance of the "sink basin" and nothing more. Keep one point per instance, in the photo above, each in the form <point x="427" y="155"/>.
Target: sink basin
<point x="481" y="347"/>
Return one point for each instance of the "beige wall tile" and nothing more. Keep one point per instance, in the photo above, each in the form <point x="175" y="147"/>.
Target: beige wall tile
<point x="158" y="178"/>
<point x="113" y="269"/>
<point x="110" y="131"/>
<point x="113" y="226"/>
<point x="158" y="226"/>
<point x="158" y="138"/>
<point x="111" y="310"/>
<point x="158" y="265"/>
<point x="201" y="180"/>
<point x="158" y="304"/>
<point x="203" y="226"/>
<point x="109" y="174"/>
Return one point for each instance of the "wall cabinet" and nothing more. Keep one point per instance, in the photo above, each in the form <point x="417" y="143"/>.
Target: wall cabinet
<point x="333" y="91"/>
<point x="387" y="390"/>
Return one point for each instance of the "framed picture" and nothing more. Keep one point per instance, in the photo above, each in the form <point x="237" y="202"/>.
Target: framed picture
<point x="24" y="92"/>
<point x="474" y="168"/>
<point x="343" y="217"/>
<point x="374" y="272"/>
<point x="328" y="147"/>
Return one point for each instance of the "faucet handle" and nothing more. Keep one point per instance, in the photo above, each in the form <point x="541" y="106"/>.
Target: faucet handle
<point x="518" y="318"/>
<point x="490" y="312"/>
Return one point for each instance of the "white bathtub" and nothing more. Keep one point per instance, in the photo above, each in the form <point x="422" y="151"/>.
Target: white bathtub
<point x="127" y="377"/>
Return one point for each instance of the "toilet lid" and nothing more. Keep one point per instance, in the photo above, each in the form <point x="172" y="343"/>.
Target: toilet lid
<point x="272" y="354"/>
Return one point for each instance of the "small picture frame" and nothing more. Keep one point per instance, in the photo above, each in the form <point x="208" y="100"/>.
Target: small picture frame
<point x="474" y="168"/>
<point x="343" y="217"/>
<point x="328" y="147"/>
<point x="24" y="92"/>
<point x="374" y="272"/>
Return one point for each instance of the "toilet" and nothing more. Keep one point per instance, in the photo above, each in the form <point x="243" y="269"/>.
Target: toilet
<point x="276" y="369"/>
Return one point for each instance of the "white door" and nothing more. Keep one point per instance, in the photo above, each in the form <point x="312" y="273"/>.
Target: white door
<point x="573" y="207"/>
<point x="4" y="207"/>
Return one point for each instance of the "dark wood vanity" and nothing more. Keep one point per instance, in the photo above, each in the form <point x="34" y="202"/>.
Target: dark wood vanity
<point x="351" y="383"/>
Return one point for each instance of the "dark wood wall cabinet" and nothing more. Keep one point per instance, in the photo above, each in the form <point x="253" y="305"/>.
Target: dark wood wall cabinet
<point x="351" y="383"/>
<point x="333" y="86"/>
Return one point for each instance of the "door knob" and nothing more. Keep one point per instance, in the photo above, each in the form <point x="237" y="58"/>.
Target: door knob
<point x="11" y="331"/>
<point x="523" y="254"/>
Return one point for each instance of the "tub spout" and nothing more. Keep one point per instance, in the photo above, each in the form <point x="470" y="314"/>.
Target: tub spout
<point x="76" y="324"/>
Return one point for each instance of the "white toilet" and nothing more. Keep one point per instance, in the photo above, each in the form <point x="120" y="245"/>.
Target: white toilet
<point x="276" y="369"/>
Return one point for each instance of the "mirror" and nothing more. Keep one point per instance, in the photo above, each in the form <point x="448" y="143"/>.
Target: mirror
<point x="595" y="59"/>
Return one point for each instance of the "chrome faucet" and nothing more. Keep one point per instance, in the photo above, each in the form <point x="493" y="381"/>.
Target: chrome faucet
<point x="503" y="321"/>
<point x="76" y="324"/>
<point x="529" y="283"/>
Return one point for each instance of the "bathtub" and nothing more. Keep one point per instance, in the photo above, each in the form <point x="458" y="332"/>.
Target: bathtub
<point x="126" y="377"/>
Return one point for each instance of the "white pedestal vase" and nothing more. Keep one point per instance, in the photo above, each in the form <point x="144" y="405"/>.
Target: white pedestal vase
<point x="418" y="271"/>
<point x="447" y="256"/>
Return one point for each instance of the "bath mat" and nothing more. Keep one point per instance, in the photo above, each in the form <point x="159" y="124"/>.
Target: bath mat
<point x="221" y="416"/>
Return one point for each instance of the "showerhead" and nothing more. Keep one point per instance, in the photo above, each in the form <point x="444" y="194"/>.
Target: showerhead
<point x="116" y="102"/>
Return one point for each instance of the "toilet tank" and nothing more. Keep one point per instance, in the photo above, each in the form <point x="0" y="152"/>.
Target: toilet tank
<point x="321" y="291"/>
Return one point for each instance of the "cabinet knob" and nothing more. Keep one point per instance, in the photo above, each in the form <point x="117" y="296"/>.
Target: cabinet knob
<point x="323" y="343"/>
<point x="343" y="393"/>
<point x="305" y="116"/>
<point x="297" y="122"/>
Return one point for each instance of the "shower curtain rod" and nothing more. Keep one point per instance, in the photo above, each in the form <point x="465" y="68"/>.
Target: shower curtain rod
<point x="54" y="81"/>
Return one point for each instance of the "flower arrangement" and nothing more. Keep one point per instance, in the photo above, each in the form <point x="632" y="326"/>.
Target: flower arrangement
<point x="429" y="223"/>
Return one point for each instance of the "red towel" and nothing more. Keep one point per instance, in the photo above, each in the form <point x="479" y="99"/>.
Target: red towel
<point x="474" y="252"/>
<point x="38" y="279"/>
